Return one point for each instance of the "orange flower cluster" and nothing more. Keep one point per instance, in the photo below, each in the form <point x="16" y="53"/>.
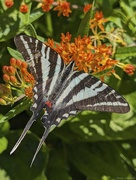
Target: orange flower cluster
<point x="98" y="21"/>
<point x="46" y="5"/>
<point x="63" y="8"/>
<point x="23" y="8"/>
<point x="87" y="57"/>
<point x="18" y="78"/>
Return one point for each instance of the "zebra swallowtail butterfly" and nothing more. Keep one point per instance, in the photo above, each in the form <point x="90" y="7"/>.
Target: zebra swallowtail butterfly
<point x="61" y="90"/>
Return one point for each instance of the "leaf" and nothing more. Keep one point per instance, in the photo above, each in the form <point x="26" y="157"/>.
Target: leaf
<point x="17" y="165"/>
<point x="4" y="128"/>
<point x="30" y="31"/>
<point x="16" y="110"/>
<point x="84" y="25"/>
<point x="36" y="14"/>
<point x="98" y="160"/>
<point x="3" y="175"/>
<point x="15" y="54"/>
<point x="3" y="144"/>
<point x="59" y="167"/>
<point x="125" y="52"/>
<point x="17" y="21"/>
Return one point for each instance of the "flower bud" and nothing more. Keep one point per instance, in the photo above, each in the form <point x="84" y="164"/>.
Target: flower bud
<point x="5" y="69"/>
<point x="11" y="70"/>
<point x="13" y="62"/>
<point x="18" y="63"/>
<point x="24" y="65"/>
<point x="24" y="71"/>
<point x="13" y="79"/>
<point x="6" y="78"/>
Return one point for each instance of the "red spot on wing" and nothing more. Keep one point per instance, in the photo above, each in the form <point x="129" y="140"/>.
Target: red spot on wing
<point x="48" y="103"/>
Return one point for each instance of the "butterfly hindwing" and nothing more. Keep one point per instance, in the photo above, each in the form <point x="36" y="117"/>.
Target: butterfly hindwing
<point x="85" y="92"/>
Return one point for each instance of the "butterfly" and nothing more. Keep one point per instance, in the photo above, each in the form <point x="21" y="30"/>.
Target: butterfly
<point x="61" y="90"/>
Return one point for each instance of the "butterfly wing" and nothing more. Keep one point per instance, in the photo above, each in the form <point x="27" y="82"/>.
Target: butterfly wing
<point x="45" y="65"/>
<point x="85" y="92"/>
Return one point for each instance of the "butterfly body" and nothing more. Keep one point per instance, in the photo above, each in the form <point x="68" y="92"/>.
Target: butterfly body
<point x="61" y="90"/>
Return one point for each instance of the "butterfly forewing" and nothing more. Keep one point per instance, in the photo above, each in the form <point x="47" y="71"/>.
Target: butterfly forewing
<point x="60" y="89"/>
<point x="44" y="63"/>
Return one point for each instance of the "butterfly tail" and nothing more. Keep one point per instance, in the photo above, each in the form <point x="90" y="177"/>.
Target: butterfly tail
<point x="45" y="134"/>
<point x="27" y="127"/>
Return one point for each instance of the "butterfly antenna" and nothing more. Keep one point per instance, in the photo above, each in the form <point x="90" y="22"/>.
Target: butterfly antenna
<point x="27" y="127"/>
<point x="45" y="134"/>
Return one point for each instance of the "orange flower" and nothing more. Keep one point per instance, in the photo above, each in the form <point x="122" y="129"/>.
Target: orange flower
<point x="63" y="8"/>
<point x="129" y="69"/>
<point x="24" y="8"/>
<point x="87" y="7"/>
<point x="98" y="21"/>
<point x="9" y="3"/>
<point x="29" y="92"/>
<point x="18" y="77"/>
<point x="46" y="5"/>
<point x="87" y="57"/>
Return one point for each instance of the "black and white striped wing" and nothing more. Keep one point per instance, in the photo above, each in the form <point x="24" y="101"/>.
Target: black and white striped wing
<point x="45" y="65"/>
<point x="85" y="92"/>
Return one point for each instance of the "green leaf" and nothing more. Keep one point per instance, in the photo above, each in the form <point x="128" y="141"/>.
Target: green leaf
<point x="125" y="52"/>
<point x="16" y="110"/>
<point x="98" y="160"/>
<point x="3" y="175"/>
<point x="85" y="23"/>
<point x="3" y="144"/>
<point x="15" y="54"/>
<point x="30" y="31"/>
<point x="15" y="21"/>
<point x="36" y="14"/>
<point x="17" y="165"/>
<point x="59" y="167"/>
<point x="4" y="128"/>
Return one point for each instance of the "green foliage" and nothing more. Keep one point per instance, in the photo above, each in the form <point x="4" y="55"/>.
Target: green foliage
<point x="92" y="146"/>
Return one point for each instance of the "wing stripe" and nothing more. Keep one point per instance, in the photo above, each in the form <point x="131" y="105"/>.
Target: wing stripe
<point x="57" y="70"/>
<point x="91" y="95"/>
